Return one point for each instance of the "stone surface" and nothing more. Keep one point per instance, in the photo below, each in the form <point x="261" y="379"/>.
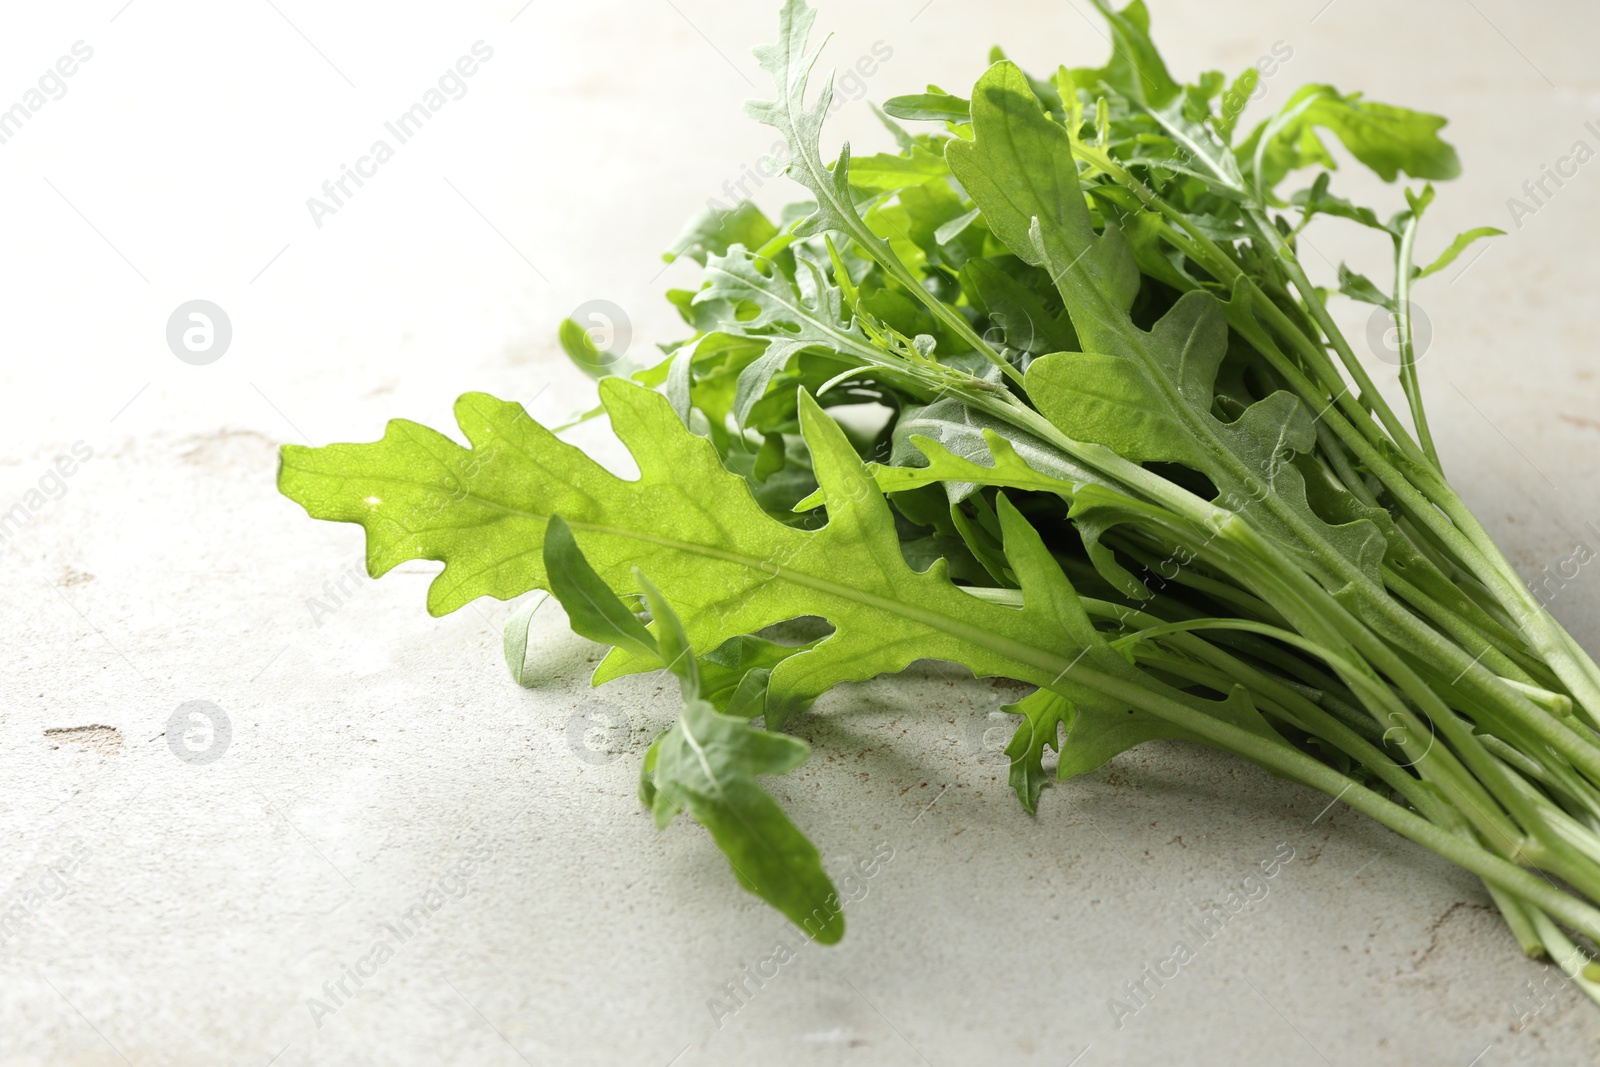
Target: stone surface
<point x="375" y="753"/>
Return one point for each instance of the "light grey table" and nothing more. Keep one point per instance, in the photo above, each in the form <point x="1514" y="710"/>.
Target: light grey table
<point x="178" y="912"/>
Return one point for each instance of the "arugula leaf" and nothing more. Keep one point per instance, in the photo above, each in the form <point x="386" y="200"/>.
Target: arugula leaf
<point x="1360" y="287"/>
<point x="514" y="642"/>
<point x="1233" y="103"/>
<point x="1097" y="734"/>
<point x="1149" y="396"/>
<point x="688" y="521"/>
<point x="786" y="317"/>
<point x="1018" y="312"/>
<point x="1044" y="715"/>
<point x="692" y="524"/>
<point x="947" y="430"/>
<point x="593" y="610"/>
<point x="707" y="763"/>
<point x="714" y="230"/>
<point x="579" y="346"/>
<point x="1462" y="242"/>
<point x="1135" y="68"/>
<point x="835" y="211"/>
<point x="885" y="173"/>
<point x="1386" y="138"/>
<point x="1316" y="200"/>
<point x="935" y="105"/>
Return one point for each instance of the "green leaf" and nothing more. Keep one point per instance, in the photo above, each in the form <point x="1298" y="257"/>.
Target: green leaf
<point x="714" y="230"/>
<point x="984" y="548"/>
<point x="1458" y="246"/>
<point x="1389" y="140"/>
<point x="967" y="450"/>
<point x="887" y="173"/>
<point x="1044" y="715"/>
<point x="1148" y="395"/>
<point x="725" y="670"/>
<point x="929" y="440"/>
<point x="1234" y="102"/>
<point x="514" y="641"/>
<point x="1318" y="201"/>
<point x="1360" y="287"/>
<point x="707" y="765"/>
<point x="672" y="643"/>
<point x="755" y="378"/>
<point x="1018" y="312"/>
<point x="1097" y="733"/>
<point x="1111" y="402"/>
<point x="578" y="344"/>
<point x="1135" y="68"/>
<point x="789" y="63"/>
<point x="785" y="317"/>
<point x="835" y="210"/>
<point x="708" y="762"/>
<point x="949" y="231"/>
<point x="593" y="610"/>
<point x="749" y="697"/>
<point x="935" y="105"/>
<point x="727" y="567"/>
<point x="770" y="458"/>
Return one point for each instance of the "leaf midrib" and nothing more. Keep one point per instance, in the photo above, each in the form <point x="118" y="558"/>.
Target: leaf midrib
<point x="1020" y="652"/>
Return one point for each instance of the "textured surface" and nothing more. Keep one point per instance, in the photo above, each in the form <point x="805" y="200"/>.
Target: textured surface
<point x="380" y="759"/>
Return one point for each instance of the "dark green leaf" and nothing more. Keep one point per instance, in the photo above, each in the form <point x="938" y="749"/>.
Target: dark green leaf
<point x="593" y="610"/>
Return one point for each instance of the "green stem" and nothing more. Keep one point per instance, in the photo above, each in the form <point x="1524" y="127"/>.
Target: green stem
<point x="1293" y="764"/>
<point x="1402" y="322"/>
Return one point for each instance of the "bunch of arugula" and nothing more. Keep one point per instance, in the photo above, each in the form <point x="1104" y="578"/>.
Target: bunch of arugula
<point x="1126" y="455"/>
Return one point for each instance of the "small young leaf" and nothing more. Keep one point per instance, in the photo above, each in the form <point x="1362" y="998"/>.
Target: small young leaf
<point x="935" y="105"/>
<point x="749" y="699"/>
<point x="593" y="610"/>
<point x="1318" y="201"/>
<point x="1233" y="103"/>
<point x="671" y="641"/>
<point x="755" y="378"/>
<point x="1458" y="246"/>
<point x="1044" y="714"/>
<point x="580" y="348"/>
<point x="707" y="765"/>
<point x="1360" y="287"/>
<point x="715" y="229"/>
<point x="514" y="640"/>
<point x="1388" y="139"/>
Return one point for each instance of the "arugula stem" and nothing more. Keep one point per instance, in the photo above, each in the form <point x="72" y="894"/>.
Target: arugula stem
<point x="1296" y="765"/>
<point x="1486" y="649"/>
<point x="1574" y="962"/>
<point x="1408" y="352"/>
<point x="1369" y="394"/>
<point x="1517" y="918"/>
<point x="1577" y="671"/>
<point x="1303" y="715"/>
